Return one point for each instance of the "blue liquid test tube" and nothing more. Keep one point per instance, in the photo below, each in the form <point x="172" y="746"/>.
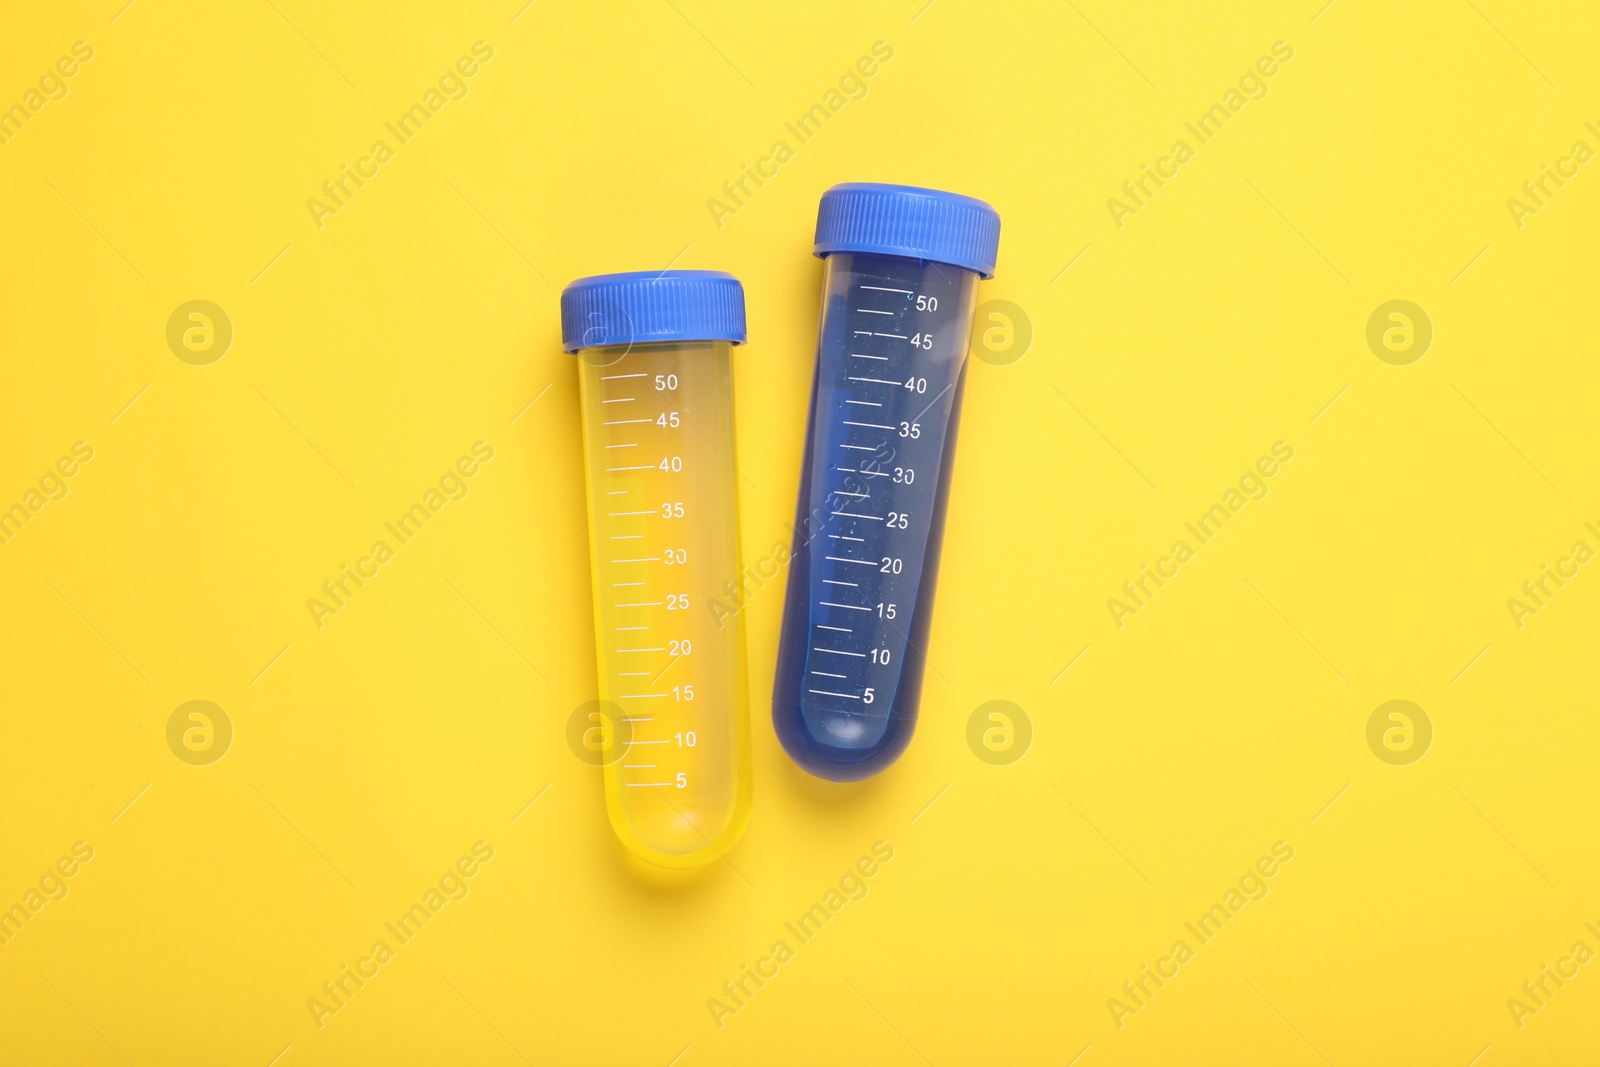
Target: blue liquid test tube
<point x="902" y="267"/>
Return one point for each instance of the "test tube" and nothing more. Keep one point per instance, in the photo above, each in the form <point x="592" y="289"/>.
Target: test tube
<point x="901" y="273"/>
<point x="656" y="388"/>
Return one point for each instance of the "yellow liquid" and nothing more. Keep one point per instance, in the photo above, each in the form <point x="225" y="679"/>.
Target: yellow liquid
<point x="663" y="540"/>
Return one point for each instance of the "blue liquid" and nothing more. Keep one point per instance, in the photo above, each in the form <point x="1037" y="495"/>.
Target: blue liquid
<point x="891" y="366"/>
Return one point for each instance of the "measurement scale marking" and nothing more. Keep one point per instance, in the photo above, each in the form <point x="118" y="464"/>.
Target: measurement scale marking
<point x="624" y="422"/>
<point x="610" y="377"/>
<point x="840" y="495"/>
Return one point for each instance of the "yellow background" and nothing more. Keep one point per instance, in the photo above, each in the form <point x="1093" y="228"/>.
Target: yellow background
<point x="425" y="716"/>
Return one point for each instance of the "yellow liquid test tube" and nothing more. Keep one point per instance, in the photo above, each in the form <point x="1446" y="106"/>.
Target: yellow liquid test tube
<point x="656" y="387"/>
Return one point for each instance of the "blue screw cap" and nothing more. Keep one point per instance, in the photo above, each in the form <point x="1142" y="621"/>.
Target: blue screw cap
<point x="903" y="220"/>
<point x="647" y="307"/>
